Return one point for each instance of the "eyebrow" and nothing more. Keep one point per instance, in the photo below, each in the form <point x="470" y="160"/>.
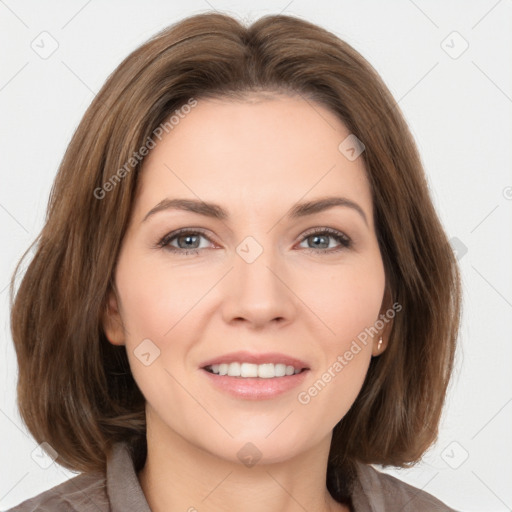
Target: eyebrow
<point x="217" y="212"/>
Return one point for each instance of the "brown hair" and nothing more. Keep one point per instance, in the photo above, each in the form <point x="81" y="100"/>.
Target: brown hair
<point x="75" y="389"/>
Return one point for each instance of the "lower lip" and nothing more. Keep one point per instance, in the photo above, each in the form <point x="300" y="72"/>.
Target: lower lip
<point x="255" y="388"/>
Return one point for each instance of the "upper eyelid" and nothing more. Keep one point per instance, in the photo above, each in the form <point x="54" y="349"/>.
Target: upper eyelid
<point x="325" y="229"/>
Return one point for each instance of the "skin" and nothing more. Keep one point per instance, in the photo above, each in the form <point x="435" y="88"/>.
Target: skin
<point x="256" y="158"/>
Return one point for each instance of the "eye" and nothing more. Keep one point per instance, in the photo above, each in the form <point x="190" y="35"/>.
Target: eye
<point x="188" y="241"/>
<point x="320" y="239"/>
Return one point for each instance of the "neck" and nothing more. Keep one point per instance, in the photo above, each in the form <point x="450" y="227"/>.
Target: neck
<point x="178" y="475"/>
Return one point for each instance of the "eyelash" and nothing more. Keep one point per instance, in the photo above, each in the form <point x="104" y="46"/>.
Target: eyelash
<point x="345" y="241"/>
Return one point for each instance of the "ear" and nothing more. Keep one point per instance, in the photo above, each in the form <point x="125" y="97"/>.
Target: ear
<point x="111" y="320"/>
<point x="379" y="348"/>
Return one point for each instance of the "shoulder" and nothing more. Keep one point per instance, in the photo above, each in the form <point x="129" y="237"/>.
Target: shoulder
<point x="381" y="491"/>
<point x="82" y="493"/>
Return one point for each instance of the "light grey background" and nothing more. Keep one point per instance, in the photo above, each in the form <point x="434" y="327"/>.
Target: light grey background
<point x="459" y="108"/>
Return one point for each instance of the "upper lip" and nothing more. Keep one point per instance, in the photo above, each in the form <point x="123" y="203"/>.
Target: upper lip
<point x="256" y="358"/>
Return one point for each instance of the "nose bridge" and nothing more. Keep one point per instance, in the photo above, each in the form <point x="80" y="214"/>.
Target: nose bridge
<point x="257" y="290"/>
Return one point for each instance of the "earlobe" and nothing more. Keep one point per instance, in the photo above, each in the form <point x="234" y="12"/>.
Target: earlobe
<point x="111" y="320"/>
<point x="380" y="342"/>
<point x="379" y="345"/>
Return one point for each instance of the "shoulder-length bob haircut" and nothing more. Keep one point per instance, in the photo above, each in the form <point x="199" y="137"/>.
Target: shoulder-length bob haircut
<point x="75" y="389"/>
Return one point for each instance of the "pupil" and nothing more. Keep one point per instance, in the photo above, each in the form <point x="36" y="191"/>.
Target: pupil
<point x="188" y="238"/>
<point x="317" y="237"/>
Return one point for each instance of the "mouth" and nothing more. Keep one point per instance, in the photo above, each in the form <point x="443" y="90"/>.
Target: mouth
<point x="250" y="376"/>
<point x="246" y="370"/>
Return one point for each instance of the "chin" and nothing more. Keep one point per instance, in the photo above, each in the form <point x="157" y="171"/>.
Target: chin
<point x="251" y="450"/>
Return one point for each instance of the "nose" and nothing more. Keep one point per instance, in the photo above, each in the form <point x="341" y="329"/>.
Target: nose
<point x="257" y="293"/>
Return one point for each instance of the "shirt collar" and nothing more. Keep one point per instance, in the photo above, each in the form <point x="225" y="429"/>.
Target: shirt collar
<point x="123" y="487"/>
<point x="126" y="495"/>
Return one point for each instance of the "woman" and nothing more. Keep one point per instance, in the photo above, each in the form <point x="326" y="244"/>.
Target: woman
<point x="242" y="296"/>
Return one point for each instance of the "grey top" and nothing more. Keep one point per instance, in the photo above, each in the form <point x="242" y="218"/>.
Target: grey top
<point x="119" y="490"/>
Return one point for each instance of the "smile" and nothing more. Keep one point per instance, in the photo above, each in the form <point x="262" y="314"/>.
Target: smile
<point x="246" y="370"/>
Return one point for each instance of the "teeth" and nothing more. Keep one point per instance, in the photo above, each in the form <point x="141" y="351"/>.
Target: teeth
<point x="248" y="370"/>
<point x="263" y="371"/>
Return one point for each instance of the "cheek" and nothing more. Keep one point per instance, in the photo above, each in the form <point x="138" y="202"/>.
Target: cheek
<point x="154" y="297"/>
<point x="348" y="307"/>
<point x="154" y="305"/>
<point x="347" y="300"/>
<point x="347" y="354"/>
<point x="159" y="304"/>
<point x="142" y="305"/>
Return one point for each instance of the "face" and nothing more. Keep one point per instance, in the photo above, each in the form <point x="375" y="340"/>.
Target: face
<point x="293" y="287"/>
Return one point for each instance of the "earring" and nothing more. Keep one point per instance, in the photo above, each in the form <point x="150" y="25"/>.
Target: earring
<point x="379" y="344"/>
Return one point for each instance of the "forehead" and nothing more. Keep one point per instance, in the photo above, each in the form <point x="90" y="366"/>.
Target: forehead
<point x="254" y="154"/>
